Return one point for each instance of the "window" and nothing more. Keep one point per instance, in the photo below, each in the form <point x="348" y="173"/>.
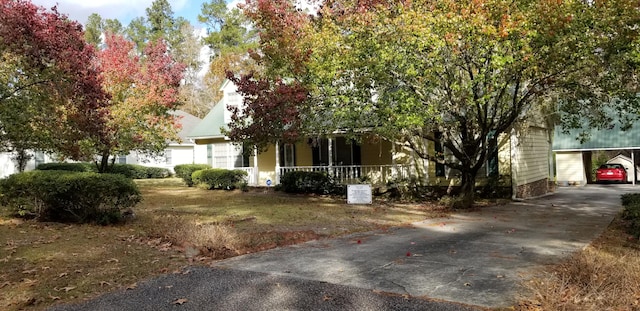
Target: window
<point x="345" y="152"/>
<point x="210" y="154"/>
<point x="122" y="159"/>
<point x="167" y="156"/>
<point x="39" y="158"/>
<point x="287" y="155"/>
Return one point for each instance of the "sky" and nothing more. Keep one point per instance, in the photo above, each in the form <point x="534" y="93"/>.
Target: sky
<point x="123" y="10"/>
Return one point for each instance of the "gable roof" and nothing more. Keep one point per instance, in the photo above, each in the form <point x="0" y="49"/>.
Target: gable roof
<point x="188" y="122"/>
<point x="210" y="126"/>
<point x="600" y="139"/>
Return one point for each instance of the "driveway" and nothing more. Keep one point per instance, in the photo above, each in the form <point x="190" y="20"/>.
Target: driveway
<point x="471" y="259"/>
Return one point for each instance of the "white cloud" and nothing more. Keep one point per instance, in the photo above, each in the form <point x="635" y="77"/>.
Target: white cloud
<point x="123" y="10"/>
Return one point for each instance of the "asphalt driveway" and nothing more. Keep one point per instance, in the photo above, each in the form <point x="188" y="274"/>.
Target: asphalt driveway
<point x="472" y="259"/>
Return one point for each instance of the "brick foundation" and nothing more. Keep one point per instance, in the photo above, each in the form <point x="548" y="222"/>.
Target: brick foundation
<point x="534" y="189"/>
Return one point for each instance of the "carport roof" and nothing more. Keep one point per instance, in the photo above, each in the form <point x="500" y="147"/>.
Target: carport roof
<point x="600" y="139"/>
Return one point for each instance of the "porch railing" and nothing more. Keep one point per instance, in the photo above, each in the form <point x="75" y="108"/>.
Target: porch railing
<point x="251" y="176"/>
<point x="374" y="174"/>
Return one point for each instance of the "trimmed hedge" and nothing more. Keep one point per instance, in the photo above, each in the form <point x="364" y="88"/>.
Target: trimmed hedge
<point x="307" y="182"/>
<point x="217" y="178"/>
<point x="63" y="196"/>
<point x="185" y="171"/>
<point x="71" y="167"/>
<point x="134" y="171"/>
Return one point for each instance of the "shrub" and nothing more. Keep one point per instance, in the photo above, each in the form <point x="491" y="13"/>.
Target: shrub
<point x="128" y="170"/>
<point x="631" y="212"/>
<point x="136" y="171"/>
<point x="217" y="178"/>
<point x="71" y="167"/>
<point x="157" y="172"/>
<point x="307" y="182"/>
<point x="185" y="171"/>
<point x="64" y="196"/>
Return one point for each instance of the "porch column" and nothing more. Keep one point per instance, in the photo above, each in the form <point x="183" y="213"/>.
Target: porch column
<point x="330" y="155"/>
<point x="330" y="150"/>
<point x="277" y="181"/>
<point x="256" y="173"/>
<point x="394" y="167"/>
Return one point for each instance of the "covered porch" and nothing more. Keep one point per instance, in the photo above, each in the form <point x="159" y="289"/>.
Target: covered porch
<point x="348" y="161"/>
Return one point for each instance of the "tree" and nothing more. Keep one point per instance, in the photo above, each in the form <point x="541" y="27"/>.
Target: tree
<point x="112" y="26"/>
<point x="143" y="89"/>
<point x="193" y="92"/>
<point x="231" y="39"/>
<point x="159" y="23"/>
<point x="50" y="95"/>
<point x="448" y="72"/>
<point x="93" y="29"/>
<point x="270" y="112"/>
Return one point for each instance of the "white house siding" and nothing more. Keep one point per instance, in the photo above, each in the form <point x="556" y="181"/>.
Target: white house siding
<point x="174" y="155"/>
<point x="530" y="162"/>
<point x="8" y="166"/>
<point x="570" y="168"/>
<point x="200" y="154"/>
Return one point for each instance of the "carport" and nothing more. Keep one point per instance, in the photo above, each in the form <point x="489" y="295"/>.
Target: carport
<point x="574" y="158"/>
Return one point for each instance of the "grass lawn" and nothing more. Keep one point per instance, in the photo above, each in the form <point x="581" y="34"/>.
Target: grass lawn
<point x="46" y="263"/>
<point x="603" y="276"/>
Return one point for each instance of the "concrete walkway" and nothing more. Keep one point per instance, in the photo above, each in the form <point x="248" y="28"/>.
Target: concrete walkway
<point x="475" y="258"/>
<point x="472" y="259"/>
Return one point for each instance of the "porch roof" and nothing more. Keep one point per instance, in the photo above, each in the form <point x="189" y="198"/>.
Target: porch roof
<point x="211" y="125"/>
<point x="599" y="139"/>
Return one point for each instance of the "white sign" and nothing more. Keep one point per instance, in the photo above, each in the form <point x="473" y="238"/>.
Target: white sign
<point x="359" y="194"/>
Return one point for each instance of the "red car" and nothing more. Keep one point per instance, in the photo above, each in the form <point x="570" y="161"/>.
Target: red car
<point x="611" y="172"/>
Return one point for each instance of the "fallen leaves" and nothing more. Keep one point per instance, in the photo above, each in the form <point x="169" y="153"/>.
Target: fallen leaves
<point x="66" y="289"/>
<point x="180" y="301"/>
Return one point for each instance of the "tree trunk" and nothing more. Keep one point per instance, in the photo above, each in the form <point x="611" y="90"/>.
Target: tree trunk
<point x="104" y="162"/>
<point x="467" y="189"/>
<point x="22" y="157"/>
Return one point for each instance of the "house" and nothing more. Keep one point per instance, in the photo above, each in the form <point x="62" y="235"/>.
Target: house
<point x="184" y="151"/>
<point x="575" y="159"/>
<point x="522" y="159"/>
<point x="8" y="165"/>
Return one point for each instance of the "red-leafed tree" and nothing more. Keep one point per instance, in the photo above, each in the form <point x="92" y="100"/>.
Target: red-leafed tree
<point x="143" y="90"/>
<point x="273" y="100"/>
<point x="269" y="113"/>
<point x="50" y="93"/>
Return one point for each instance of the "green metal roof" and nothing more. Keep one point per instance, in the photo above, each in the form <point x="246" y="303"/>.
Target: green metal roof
<point x="210" y="126"/>
<point x="599" y="139"/>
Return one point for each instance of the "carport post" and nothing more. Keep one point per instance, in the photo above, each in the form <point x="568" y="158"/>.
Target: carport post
<point x="633" y="167"/>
